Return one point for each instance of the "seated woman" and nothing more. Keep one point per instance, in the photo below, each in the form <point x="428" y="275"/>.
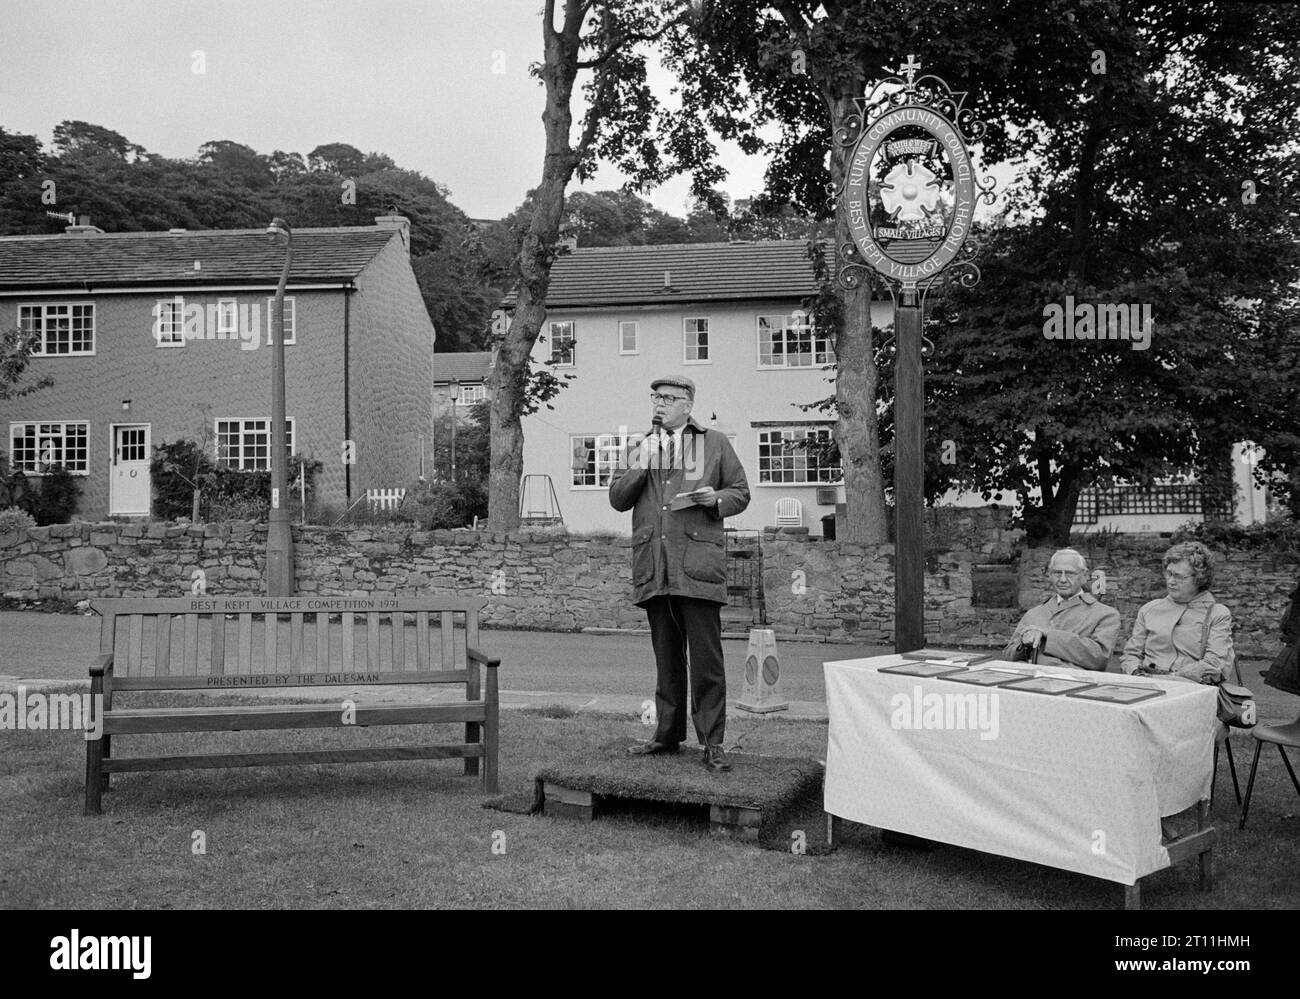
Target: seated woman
<point x="1186" y="633"/>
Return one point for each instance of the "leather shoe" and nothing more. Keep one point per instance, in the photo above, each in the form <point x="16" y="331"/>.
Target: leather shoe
<point x="715" y="760"/>
<point x="652" y="748"/>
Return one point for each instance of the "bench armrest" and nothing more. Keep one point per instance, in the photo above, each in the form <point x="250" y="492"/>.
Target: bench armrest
<point x="102" y="664"/>
<point x="475" y="656"/>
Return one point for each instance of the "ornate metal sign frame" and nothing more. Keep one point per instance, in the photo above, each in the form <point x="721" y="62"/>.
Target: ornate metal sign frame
<point x="939" y="256"/>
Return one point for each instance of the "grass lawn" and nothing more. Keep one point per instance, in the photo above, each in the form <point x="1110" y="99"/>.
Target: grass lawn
<point x="415" y="834"/>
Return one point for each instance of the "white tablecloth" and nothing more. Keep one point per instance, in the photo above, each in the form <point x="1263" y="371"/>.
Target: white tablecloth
<point x="1074" y="784"/>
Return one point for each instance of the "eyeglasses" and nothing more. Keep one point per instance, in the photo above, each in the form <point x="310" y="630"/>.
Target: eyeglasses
<point x="1177" y="577"/>
<point x="658" y="397"/>
<point x="1063" y="572"/>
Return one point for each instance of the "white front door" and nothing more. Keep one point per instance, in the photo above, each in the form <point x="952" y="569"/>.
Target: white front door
<point x="129" y="485"/>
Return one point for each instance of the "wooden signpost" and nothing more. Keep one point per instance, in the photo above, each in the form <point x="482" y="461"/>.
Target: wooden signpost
<point x="909" y="201"/>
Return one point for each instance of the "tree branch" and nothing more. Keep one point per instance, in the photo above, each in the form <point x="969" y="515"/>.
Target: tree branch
<point x="629" y="38"/>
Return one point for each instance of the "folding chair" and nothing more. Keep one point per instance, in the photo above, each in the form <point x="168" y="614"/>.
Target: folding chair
<point x="1280" y="736"/>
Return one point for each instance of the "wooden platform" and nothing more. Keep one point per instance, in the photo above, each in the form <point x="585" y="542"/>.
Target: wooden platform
<point x="739" y="802"/>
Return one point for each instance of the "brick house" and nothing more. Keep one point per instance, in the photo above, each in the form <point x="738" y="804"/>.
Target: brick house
<point x="470" y="369"/>
<point x="155" y="336"/>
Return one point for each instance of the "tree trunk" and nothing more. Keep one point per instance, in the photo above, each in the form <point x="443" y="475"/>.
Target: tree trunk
<point x="858" y="433"/>
<point x="509" y="378"/>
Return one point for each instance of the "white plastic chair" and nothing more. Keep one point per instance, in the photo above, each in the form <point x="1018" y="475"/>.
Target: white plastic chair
<point x="789" y="512"/>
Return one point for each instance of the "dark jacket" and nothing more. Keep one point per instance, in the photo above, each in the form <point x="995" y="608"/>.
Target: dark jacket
<point x="681" y="552"/>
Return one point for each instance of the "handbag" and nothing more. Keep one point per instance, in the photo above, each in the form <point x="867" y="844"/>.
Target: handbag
<point x="1236" y="703"/>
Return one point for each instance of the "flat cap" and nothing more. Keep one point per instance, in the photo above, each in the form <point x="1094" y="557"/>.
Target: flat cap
<point x="679" y="381"/>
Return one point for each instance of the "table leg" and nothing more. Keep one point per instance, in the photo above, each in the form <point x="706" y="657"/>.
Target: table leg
<point x="833" y="829"/>
<point x="1207" y="856"/>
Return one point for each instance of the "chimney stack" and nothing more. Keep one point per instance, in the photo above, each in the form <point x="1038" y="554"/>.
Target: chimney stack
<point x="399" y="222"/>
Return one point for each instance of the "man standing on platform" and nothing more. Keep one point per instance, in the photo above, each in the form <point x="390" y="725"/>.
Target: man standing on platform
<point x="680" y="482"/>
<point x="1071" y="627"/>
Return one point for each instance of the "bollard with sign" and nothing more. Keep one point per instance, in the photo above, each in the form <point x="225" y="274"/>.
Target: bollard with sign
<point x="762" y="675"/>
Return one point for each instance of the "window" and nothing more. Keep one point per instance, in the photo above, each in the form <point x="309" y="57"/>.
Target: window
<point x="63" y="329"/>
<point x="33" y="447"/>
<point x="790" y="342"/>
<point x="246" y="444"/>
<point x="169" y="322"/>
<point x="798" y="455"/>
<point x="595" y="458"/>
<point x="290" y="319"/>
<point x="227" y="317"/>
<point x="471" y="394"/>
<point x="563" y="352"/>
<point x="695" y="341"/>
<point x="627" y="338"/>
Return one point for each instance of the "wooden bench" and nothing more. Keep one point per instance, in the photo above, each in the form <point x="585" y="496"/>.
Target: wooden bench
<point x="208" y="643"/>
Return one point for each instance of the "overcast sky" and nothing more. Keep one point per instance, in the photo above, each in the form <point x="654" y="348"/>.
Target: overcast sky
<point x="411" y="78"/>
<point x="441" y="86"/>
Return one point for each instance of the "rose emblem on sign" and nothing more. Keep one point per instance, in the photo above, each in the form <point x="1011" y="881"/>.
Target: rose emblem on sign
<point x="910" y="192"/>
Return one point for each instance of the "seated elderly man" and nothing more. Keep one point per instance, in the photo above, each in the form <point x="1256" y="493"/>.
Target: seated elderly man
<point x="1071" y="627"/>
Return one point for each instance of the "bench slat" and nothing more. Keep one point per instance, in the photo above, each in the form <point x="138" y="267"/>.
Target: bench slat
<point x="295" y="643"/>
<point x="218" y="643"/>
<point x="284" y="605"/>
<point x="448" y="624"/>
<point x="135" y="645"/>
<point x="322" y="642"/>
<point x="372" y="642"/>
<point x="244" y="664"/>
<point x="242" y="718"/>
<point x="349" y="642"/>
<point x="346" y="678"/>
<point x="162" y="655"/>
<point x="190" y="655"/>
<point x="399" y="639"/>
<point x="421" y="639"/>
<point x="210" y="761"/>
<point x="269" y="640"/>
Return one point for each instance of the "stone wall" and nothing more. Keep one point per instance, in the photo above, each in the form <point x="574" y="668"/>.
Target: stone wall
<point x="543" y="581"/>
<point x="812" y="588"/>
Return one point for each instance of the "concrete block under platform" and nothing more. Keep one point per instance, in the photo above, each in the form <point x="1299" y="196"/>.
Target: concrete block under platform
<point x="739" y="802"/>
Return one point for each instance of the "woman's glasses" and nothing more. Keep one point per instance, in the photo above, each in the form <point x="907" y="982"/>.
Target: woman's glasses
<point x="1177" y="577"/>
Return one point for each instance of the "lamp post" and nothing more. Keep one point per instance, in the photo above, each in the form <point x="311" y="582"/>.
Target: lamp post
<point x="454" y="392"/>
<point x="279" y="534"/>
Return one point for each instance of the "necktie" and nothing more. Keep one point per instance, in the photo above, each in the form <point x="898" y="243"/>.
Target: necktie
<point x="669" y="452"/>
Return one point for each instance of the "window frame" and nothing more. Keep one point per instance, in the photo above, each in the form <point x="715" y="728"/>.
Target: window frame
<point x="222" y="330"/>
<point x="290" y="320"/>
<point x="828" y="353"/>
<point x="707" y="358"/>
<point x="242" y="421"/>
<point x="176" y="336"/>
<point x="763" y="477"/>
<point x="572" y="341"/>
<point x="612" y="445"/>
<point x="35" y="469"/>
<point x="41" y="309"/>
<point x="636" y="337"/>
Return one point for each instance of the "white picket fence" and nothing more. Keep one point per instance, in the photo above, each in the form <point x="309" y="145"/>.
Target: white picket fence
<point x="385" y="499"/>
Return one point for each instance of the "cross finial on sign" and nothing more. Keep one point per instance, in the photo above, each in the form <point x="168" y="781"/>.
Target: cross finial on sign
<point x="910" y="67"/>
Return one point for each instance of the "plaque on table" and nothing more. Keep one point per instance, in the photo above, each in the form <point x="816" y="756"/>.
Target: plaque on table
<point x="1118" y="693"/>
<point x="945" y="658"/>
<point x="986" y="677"/>
<point x="924" y="669"/>
<point x="1049" y="685"/>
